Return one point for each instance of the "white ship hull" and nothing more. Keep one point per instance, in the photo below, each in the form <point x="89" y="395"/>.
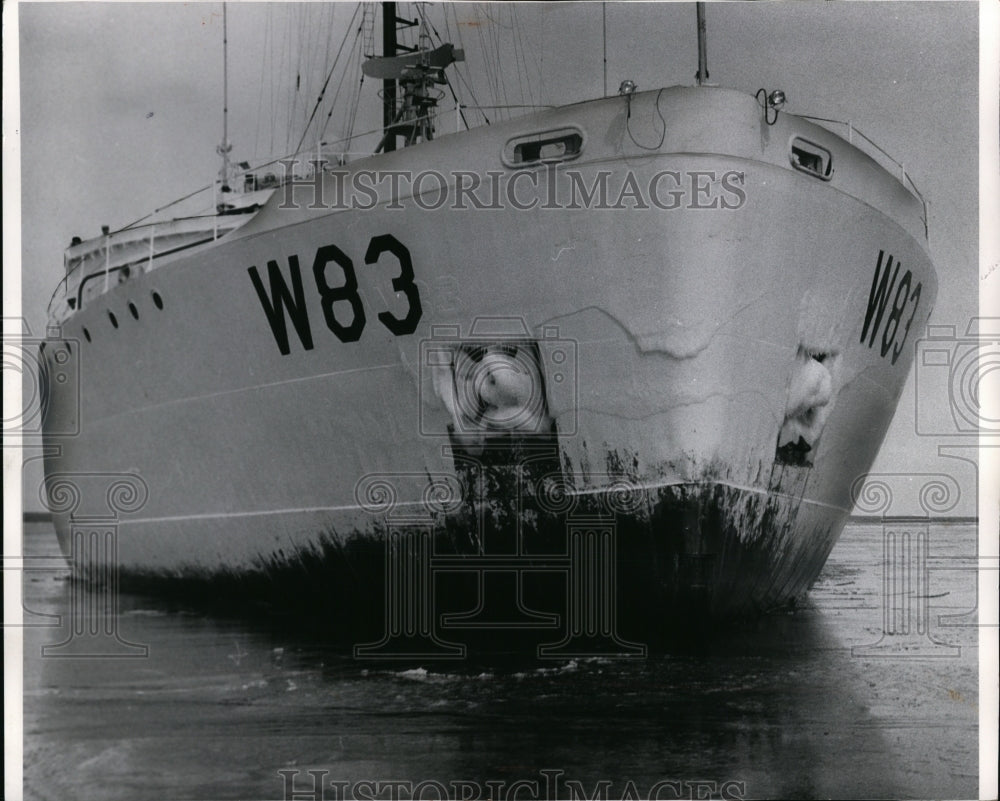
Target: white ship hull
<point x="683" y="331"/>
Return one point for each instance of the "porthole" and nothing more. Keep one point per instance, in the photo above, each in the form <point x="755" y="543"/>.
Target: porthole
<point x="157" y="300"/>
<point x="811" y="158"/>
<point x="133" y="310"/>
<point x="543" y="147"/>
<point x="113" y="319"/>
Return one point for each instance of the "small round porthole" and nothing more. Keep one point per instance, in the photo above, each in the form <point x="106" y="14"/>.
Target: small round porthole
<point x="157" y="300"/>
<point x="86" y="334"/>
<point x="113" y="319"/>
<point x="133" y="310"/>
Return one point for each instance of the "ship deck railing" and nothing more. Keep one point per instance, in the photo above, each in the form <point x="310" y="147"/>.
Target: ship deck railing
<point x="880" y="155"/>
<point x="96" y="265"/>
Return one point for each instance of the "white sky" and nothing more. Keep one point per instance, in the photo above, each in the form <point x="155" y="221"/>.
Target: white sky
<point x="120" y="107"/>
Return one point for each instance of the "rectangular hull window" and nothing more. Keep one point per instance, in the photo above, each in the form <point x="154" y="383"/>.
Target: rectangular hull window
<point x="811" y="158"/>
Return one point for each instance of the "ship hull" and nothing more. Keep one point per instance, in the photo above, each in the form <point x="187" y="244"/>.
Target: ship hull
<point x="669" y="343"/>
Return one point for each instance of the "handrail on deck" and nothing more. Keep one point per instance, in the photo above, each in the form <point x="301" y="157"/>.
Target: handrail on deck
<point x="62" y="290"/>
<point x="904" y="177"/>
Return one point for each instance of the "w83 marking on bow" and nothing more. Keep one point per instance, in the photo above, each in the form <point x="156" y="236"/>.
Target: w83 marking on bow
<point x="286" y="298"/>
<point x="906" y="296"/>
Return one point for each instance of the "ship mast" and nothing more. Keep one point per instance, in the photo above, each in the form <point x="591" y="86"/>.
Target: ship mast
<point x="417" y="71"/>
<point x="702" y="75"/>
<point x="224" y="147"/>
<point x="389" y="84"/>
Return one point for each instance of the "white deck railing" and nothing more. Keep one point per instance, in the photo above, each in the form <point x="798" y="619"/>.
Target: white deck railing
<point x="95" y="266"/>
<point x="880" y="155"/>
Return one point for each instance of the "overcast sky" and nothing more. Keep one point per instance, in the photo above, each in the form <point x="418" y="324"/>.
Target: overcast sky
<point x="121" y="106"/>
